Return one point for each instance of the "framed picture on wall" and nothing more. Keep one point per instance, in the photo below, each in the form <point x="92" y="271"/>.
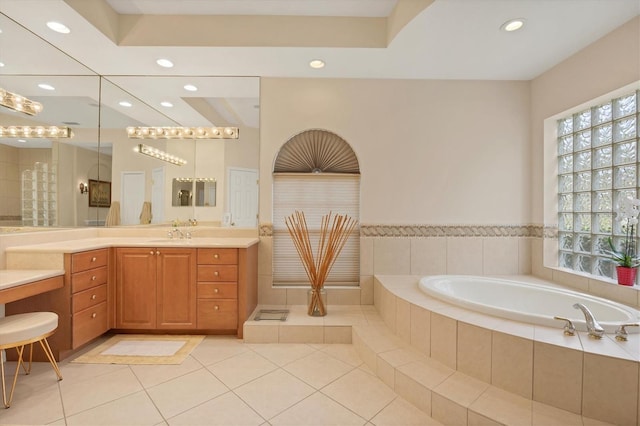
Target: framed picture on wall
<point x="99" y="193"/>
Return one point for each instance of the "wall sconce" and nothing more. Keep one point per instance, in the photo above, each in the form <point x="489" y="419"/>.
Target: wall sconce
<point x="83" y="188"/>
<point x="19" y="103"/>
<point x="160" y="155"/>
<point x="35" y="132"/>
<point x="183" y="132"/>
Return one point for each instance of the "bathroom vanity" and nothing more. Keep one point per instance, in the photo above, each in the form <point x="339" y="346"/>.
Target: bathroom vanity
<point x="142" y="285"/>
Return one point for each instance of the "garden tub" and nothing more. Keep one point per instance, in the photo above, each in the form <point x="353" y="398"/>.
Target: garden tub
<point x="527" y="302"/>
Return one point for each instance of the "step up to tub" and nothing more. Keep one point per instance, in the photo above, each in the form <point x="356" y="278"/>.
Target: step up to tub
<point x="447" y="395"/>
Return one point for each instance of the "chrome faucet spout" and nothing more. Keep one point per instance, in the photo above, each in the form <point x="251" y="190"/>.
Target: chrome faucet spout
<point x="595" y="330"/>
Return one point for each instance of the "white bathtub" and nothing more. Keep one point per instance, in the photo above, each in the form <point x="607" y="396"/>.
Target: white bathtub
<point x="527" y="302"/>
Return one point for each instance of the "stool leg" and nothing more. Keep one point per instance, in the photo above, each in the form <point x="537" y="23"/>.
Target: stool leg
<point x="47" y="350"/>
<point x="7" y="402"/>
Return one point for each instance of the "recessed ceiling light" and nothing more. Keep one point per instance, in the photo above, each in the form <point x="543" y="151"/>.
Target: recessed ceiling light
<point x="512" y="25"/>
<point x="317" y="63"/>
<point x="1" y="64"/>
<point x="166" y="104"/>
<point x="190" y="87"/>
<point x="165" y="63"/>
<point x="125" y="104"/>
<point x="22" y="140"/>
<point x="46" y="86"/>
<point x="58" y="27"/>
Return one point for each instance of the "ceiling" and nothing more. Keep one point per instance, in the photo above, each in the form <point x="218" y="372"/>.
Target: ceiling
<point x="390" y="39"/>
<point x="442" y="39"/>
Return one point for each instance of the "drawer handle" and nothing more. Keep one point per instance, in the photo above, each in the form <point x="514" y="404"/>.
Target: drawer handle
<point x="215" y="308"/>
<point x="157" y="252"/>
<point x="215" y="290"/>
<point x="151" y="252"/>
<point x="93" y="278"/>
<point x="93" y="315"/>
<point x="216" y="273"/>
<point x="93" y="259"/>
<point x="216" y="256"/>
<point x="93" y="297"/>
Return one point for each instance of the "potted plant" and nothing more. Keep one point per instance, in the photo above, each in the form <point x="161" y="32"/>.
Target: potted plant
<point x="625" y="256"/>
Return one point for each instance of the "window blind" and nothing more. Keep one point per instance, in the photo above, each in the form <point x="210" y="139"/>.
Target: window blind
<point x="316" y="195"/>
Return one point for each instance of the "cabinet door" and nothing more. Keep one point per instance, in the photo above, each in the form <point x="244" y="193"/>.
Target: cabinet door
<point x="176" y="276"/>
<point x="136" y="288"/>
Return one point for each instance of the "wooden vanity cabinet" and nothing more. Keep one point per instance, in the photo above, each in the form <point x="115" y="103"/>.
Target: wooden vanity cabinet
<point x="218" y="289"/>
<point x="82" y="304"/>
<point x="155" y="288"/>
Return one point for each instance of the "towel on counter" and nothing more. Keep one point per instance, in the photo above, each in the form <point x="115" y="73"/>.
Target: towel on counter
<point x="145" y="215"/>
<point x="113" y="217"/>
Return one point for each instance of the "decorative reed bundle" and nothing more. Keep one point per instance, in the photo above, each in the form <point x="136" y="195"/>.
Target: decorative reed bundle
<point x="332" y="240"/>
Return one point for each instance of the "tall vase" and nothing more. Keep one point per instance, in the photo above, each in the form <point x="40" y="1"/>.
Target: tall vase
<point x="626" y="276"/>
<point x="317" y="302"/>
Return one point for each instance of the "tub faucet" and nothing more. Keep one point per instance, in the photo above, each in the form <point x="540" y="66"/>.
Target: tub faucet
<point x="594" y="329"/>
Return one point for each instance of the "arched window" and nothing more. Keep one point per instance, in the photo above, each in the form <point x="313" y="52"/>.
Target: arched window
<point x="315" y="172"/>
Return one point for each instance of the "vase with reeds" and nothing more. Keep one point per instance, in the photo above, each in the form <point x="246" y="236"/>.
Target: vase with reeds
<point x="334" y="233"/>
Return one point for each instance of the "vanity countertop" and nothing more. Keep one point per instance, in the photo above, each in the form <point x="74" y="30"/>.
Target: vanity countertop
<point x="15" y="277"/>
<point x="84" y="244"/>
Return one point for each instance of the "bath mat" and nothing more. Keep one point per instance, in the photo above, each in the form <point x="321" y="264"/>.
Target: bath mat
<point x="141" y="349"/>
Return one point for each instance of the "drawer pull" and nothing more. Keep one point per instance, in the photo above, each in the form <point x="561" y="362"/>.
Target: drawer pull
<point x="93" y="297"/>
<point x="151" y="252"/>
<point x="93" y="278"/>
<point x="215" y="290"/>
<point x="157" y="252"/>
<point x="216" y="273"/>
<point x="93" y="315"/>
<point x="215" y="308"/>
<point x="216" y="256"/>
<point x="93" y="259"/>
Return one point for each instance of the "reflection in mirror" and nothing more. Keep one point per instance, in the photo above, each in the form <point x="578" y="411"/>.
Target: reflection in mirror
<point x="98" y="110"/>
<point x="182" y="192"/>
<point x="205" y="192"/>
<point x="218" y="101"/>
<point x="39" y="177"/>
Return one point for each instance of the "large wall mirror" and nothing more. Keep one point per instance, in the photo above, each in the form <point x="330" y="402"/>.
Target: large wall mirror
<point x="100" y="167"/>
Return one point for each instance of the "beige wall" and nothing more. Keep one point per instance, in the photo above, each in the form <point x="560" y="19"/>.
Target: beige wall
<point x="430" y="151"/>
<point x="604" y="66"/>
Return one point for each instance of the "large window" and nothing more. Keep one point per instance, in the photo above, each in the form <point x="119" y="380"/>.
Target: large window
<point x="597" y="166"/>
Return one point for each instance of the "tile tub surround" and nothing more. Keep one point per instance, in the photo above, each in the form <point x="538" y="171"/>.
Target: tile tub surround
<point x="594" y="378"/>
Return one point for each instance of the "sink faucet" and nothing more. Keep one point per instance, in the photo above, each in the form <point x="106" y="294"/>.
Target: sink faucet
<point x="176" y="231"/>
<point x="594" y="329"/>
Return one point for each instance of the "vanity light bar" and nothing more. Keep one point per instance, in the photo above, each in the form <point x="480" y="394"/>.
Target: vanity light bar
<point x="35" y="132"/>
<point x="183" y="132"/>
<point x="160" y="155"/>
<point x="19" y="103"/>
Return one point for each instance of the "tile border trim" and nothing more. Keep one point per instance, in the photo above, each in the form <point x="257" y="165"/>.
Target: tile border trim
<point x="373" y="230"/>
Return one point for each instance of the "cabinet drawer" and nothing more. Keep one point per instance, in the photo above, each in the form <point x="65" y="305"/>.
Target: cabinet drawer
<point x="217" y="290"/>
<point x="88" y="298"/>
<point x="217" y="256"/>
<point x="217" y="314"/>
<point x="87" y="279"/>
<point x="89" y="324"/>
<point x="217" y="273"/>
<point x="88" y="260"/>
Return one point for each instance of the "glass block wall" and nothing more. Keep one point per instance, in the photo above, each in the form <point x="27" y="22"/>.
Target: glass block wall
<point x="597" y="166"/>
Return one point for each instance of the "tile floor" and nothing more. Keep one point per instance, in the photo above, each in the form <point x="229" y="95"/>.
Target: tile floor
<point x="224" y="381"/>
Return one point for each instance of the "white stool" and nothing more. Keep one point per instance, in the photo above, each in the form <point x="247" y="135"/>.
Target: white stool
<point x="19" y="330"/>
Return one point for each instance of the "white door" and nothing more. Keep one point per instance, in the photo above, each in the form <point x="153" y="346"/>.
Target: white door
<point x="157" y="195"/>
<point x="132" y="197"/>
<point x="243" y="197"/>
